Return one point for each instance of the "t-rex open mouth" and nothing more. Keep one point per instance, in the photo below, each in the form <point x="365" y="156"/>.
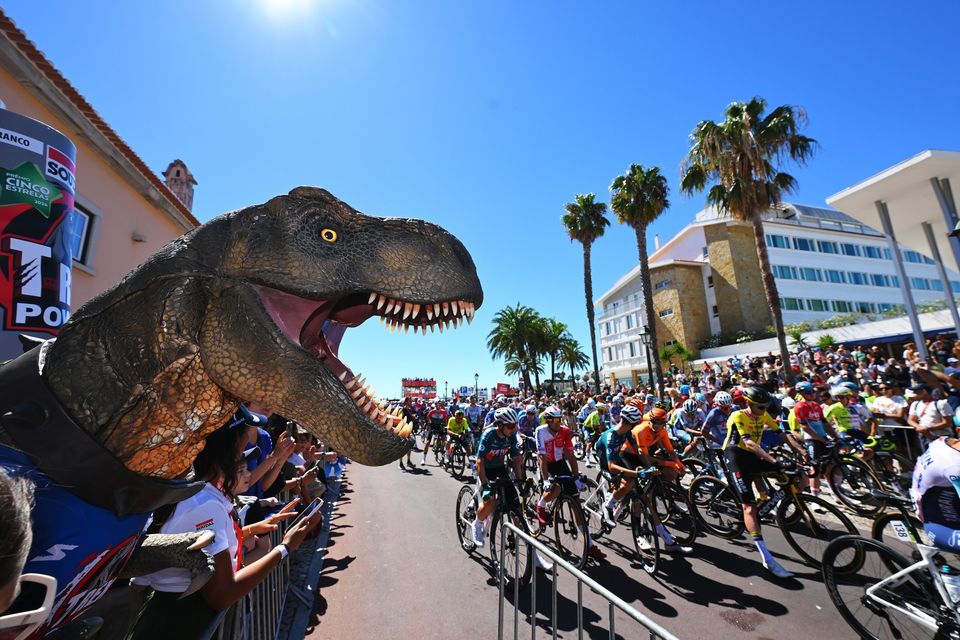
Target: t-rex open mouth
<point x="317" y="326"/>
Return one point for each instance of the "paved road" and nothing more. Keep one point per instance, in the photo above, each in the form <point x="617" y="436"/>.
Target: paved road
<point x="395" y="570"/>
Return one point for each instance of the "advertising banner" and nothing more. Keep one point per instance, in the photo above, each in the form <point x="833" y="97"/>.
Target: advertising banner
<point x="37" y="229"/>
<point x="503" y="387"/>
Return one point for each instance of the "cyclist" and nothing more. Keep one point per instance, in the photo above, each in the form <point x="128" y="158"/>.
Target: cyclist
<point x="457" y="427"/>
<point x="650" y="446"/>
<point x="526" y="426"/>
<point x="593" y="425"/>
<point x="812" y="429"/>
<point x="847" y="422"/>
<point x="936" y="488"/>
<point x="609" y="446"/>
<point x="436" y="425"/>
<point x="497" y="442"/>
<point x="746" y="460"/>
<point x="501" y="401"/>
<point x="555" y="448"/>
<point x="715" y="425"/>
<point x="474" y="414"/>
<point x="685" y="423"/>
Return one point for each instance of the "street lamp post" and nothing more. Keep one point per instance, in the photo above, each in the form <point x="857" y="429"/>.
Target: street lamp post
<point x="645" y="339"/>
<point x="476" y="385"/>
<point x="446" y="390"/>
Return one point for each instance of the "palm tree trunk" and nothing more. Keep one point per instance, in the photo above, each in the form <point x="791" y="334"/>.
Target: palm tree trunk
<point x="648" y="303"/>
<point x="591" y="319"/>
<point x="773" y="296"/>
<point x="536" y="377"/>
<point x="553" y="366"/>
<point x="524" y="370"/>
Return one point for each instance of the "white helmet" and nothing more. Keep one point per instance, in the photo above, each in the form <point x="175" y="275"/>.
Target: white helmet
<point x="690" y="406"/>
<point x="722" y="399"/>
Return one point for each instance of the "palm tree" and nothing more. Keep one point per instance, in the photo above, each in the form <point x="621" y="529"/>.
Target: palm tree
<point x="638" y="198"/>
<point x="742" y="157"/>
<point x="554" y="333"/>
<point x="514" y="330"/>
<point x="585" y="222"/>
<point x="572" y="355"/>
<point x="514" y="365"/>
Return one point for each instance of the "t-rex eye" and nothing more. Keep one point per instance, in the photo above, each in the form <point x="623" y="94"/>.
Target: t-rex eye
<point x="329" y="235"/>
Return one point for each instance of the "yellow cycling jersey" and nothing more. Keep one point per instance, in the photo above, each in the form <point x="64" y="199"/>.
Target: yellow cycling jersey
<point x="741" y="425"/>
<point x="458" y="426"/>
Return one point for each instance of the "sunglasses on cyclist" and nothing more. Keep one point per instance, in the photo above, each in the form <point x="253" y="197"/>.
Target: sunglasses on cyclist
<point x="17" y="626"/>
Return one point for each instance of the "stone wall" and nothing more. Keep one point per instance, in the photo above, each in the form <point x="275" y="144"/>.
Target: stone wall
<point x="736" y="277"/>
<point x="689" y="322"/>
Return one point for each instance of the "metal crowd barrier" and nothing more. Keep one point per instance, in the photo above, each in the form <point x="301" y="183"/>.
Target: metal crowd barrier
<point x="613" y="602"/>
<point x="257" y="615"/>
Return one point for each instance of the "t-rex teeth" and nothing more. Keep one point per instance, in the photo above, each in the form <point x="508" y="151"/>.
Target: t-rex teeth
<point x="446" y="308"/>
<point x="406" y="328"/>
<point x="389" y="306"/>
<point x="429" y="312"/>
<point x="415" y="312"/>
<point x="407" y="308"/>
<point x="436" y="309"/>
<point x="343" y="376"/>
<point x="432" y="328"/>
<point x="456" y="310"/>
<point x="470" y="319"/>
<point x="441" y="326"/>
<point x="373" y="296"/>
<point x="404" y="430"/>
<point x="366" y="407"/>
<point x="380" y="300"/>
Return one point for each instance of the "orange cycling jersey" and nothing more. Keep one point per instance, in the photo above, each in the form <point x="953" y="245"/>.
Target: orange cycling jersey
<point x="646" y="437"/>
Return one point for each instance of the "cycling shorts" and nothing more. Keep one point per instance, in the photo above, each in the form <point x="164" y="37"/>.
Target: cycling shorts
<point x="856" y="434"/>
<point x="815" y="450"/>
<point x="683" y="436"/>
<point x="560" y="468"/>
<point x="744" y="468"/>
<point x="488" y="491"/>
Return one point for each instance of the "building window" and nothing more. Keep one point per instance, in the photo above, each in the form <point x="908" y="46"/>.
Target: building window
<point x="911" y="256"/>
<point x="662" y="284"/>
<point x="633" y="353"/>
<point x="803" y="244"/>
<point x="791" y="304"/>
<point x="775" y="241"/>
<point x="669" y="343"/>
<point x="927" y="260"/>
<point x="785" y="273"/>
<point x="842" y="306"/>
<point x="607" y="326"/>
<point x="817" y="305"/>
<point x="706" y="252"/>
<point x="872" y="252"/>
<point x="856" y="277"/>
<point x="709" y="281"/>
<point x="665" y="313"/>
<point x="895" y="281"/>
<point x="716" y="311"/>
<point x="866" y="307"/>
<point x="827" y="246"/>
<point x="955" y="286"/>
<point x="921" y="284"/>
<point x="811" y="275"/>
<point x="936" y="284"/>
<point x="609" y="354"/>
<point x="884" y="306"/>
<point x="835" y="276"/>
<point x="79" y="232"/>
<point x="879" y="280"/>
<point x="629" y="321"/>
<point x="849" y="249"/>
<point x="886" y="254"/>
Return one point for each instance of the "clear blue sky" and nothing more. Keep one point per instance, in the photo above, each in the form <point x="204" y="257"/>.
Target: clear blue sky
<point x="486" y="117"/>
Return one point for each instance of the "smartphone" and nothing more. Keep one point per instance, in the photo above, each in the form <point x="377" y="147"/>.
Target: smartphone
<point x="291" y="428"/>
<point x="307" y="512"/>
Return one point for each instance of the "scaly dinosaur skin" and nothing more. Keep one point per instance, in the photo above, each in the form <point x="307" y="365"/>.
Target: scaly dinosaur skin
<point x="233" y="311"/>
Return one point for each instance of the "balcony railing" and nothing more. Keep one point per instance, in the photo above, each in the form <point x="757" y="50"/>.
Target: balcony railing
<point x="622" y="309"/>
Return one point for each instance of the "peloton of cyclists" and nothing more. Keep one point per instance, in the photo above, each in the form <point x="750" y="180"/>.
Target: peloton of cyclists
<point x="497" y="443"/>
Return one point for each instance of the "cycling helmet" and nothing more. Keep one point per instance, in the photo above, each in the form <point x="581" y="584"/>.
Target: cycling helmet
<point x="650" y="398"/>
<point x="850" y="385"/>
<point x="552" y="412"/>
<point x="722" y="399"/>
<point x="505" y="415"/>
<point x="591" y="403"/>
<point x="636" y="401"/>
<point x="690" y="406"/>
<point x="631" y="415"/>
<point x="804" y="387"/>
<point x="664" y="405"/>
<point x="839" y="392"/>
<point x="530" y="409"/>
<point x="757" y="395"/>
<point x="699" y="397"/>
<point x="601" y="406"/>
<point x="788" y="403"/>
<point x="657" y="415"/>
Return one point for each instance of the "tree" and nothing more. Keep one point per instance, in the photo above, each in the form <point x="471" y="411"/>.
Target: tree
<point x="585" y="222"/>
<point x="638" y="197"/>
<point x="797" y="341"/>
<point x="826" y="341"/>
<point x="572" y="355"/>
<point x="676" y="350"/>
<point x="553" y="334"/>
<point x="514" y="365"/>
<point x="514" y="330"/>
<point x="741" y="157"/>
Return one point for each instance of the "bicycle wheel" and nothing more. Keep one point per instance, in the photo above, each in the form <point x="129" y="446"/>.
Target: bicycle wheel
<point x="466" y="513"/>
<point x="853" y="484"/>
<point x="895" y="470"/>
<point x="679" y="518"/>
<point x="810" y="523"/>
<point x="458" y="462"/>
<point x="716" y="507"/>
<point x="516" y="550"/>
<point x="645" y="538"/>
<point x="865" y="613"/>
<point x="570" y="531"/>
<point x="531" y="494"/>
<point x="695" y="467"/>
<point x="891" y="529"/>
<point x="438" y="456"/>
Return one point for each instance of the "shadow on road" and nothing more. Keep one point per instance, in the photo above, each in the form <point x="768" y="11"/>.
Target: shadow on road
<point x="325" y="582"/>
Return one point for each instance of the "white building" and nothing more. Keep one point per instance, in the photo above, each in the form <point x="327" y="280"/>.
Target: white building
<point x="825" y="263"/>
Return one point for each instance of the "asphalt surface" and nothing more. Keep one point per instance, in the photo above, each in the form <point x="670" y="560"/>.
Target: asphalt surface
<point x="395" y="569"/>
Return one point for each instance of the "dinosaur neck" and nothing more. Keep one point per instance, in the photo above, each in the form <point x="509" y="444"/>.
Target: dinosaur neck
<point x="133" y="377"/>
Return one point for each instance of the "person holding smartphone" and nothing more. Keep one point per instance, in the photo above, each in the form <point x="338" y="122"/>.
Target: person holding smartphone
<point x="167" y="614"/>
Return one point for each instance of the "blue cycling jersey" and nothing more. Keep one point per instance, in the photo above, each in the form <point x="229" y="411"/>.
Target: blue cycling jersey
<point x="716" y="426"/>
<point x="493" y="449"/>
<point x="608" y="447"/>
<point x="84" y="547"/>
